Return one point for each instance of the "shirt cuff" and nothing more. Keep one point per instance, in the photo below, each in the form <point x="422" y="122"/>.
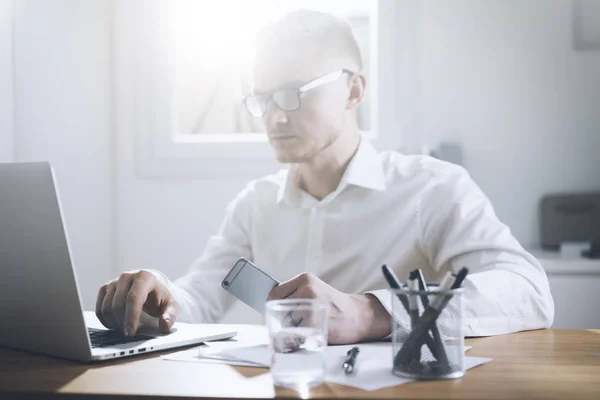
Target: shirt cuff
<point x="180" y="295"/>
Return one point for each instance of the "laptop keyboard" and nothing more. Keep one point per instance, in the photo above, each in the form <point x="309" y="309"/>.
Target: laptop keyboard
<point x="107" y="338"/>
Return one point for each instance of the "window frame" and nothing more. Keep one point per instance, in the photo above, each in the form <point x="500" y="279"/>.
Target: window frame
<point x="141" y="57"/>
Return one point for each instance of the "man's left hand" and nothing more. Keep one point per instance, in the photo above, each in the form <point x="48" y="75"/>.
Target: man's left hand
<point x="352" y="317"/>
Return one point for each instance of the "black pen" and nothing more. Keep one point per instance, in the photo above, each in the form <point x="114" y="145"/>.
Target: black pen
<point x="394" y="283"/>
<point x="441" y="355"/>
<point x="350" y="360"/>
<point x="421" y="332"/>
<point x="413" y="307"/>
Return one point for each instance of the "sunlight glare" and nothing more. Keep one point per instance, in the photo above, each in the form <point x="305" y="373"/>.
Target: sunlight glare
<point x="222" y="32"/>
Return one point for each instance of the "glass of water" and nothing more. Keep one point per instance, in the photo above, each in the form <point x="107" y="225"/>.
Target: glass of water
<point x="297" y="340"/>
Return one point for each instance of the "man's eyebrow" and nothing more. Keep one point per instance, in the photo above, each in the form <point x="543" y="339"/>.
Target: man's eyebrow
<point x="289" y="85"/>
<point x="293" y="84"/>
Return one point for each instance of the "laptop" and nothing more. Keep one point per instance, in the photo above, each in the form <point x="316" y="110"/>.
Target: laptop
<point x="41" y="309"/>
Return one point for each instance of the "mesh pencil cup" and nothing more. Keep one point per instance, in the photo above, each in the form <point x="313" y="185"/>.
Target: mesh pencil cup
<point x="427" y="333"/>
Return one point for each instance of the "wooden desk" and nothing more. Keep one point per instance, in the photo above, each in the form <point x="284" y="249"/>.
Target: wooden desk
<point x="550" y="364"/>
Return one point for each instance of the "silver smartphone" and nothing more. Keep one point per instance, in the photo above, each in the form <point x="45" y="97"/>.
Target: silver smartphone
<point x="249" y="283"/>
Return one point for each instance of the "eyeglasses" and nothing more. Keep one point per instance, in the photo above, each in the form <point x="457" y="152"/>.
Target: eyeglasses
<point x="287" y="99"/>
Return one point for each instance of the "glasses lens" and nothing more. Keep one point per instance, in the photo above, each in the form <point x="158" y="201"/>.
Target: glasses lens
<point x="257" y="104"/>
<point x="287" y="100"/>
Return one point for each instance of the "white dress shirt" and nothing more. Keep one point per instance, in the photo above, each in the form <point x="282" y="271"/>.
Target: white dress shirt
<point x="404" y="211"/>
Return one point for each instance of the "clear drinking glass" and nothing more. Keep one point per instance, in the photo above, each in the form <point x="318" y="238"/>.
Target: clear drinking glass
<point x="425" y="350"/>
<point x="297" y="340"/>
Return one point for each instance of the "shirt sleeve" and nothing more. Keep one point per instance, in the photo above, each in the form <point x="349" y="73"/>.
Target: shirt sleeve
<point x="507" y="289"/>
<point x="199" y="293"/>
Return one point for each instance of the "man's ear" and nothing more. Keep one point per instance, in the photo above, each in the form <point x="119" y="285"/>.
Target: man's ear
<point x="358" y="85"/>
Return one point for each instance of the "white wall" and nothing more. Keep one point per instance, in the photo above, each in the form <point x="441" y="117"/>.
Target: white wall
<point x="62" y="114"/>
<point x="502" y="78"/>
<point x="573" y="295"/>
<point x="6" y="81"/>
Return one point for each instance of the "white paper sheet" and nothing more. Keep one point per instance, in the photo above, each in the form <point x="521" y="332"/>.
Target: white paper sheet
<point x="210" y="352"/>
<point x="207" y="356"/>
<point x="248" y="335"/>
<point x="375" y="379"/>
<point x="335" y="355"/>
<point x="372" y="371"/>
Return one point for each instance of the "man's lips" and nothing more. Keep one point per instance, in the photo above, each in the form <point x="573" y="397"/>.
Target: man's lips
<point x="282" y="137"/>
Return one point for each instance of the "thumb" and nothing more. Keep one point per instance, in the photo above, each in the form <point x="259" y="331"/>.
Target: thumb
<point x="167" y="318"/>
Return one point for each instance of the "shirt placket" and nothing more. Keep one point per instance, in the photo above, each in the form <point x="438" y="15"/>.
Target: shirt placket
<point x="314" y="247"/>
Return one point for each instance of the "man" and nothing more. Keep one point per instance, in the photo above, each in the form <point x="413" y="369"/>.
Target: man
<point x="341" y="211"/>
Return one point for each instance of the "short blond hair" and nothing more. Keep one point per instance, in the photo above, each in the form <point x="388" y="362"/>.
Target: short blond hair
<point x="327" y="34"/>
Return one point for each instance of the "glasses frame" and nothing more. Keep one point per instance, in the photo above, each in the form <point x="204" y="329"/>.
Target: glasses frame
<point x="319" y="81"/>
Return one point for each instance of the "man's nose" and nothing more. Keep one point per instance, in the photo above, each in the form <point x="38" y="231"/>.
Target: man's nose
<point x="275" y="115"/>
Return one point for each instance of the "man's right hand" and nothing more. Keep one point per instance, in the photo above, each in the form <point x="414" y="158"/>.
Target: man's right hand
<point x="120" y="302"/>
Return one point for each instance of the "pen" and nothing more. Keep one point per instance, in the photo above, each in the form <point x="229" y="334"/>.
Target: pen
<point x="394" y="283"/>
<point x="413" y="307"/>
<point x="441" y="355"/>
<point x="350" y="360"/>
<point x="421" y="332"/>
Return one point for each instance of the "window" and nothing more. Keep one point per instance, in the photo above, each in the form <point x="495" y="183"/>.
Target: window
<point x="185" y="107"/>
<point x="213" y="49"/>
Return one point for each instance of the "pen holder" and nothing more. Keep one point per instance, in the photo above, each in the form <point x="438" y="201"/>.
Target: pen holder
<point x="427" y="333"/>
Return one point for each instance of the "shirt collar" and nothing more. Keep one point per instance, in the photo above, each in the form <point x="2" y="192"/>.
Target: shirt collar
<point x="364" y="170"/>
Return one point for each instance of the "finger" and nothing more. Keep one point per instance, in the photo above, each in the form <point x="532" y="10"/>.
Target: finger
<point x="118" y="304"/>
<point x="302" y="316"/>
<point x="99" y="300"/>
<point x="167" y="319"/>
<point x="297" y="318"/>
<point x="293" y="319"/>
<point x="134" y="303"/>
<point x="287" y="342"/>
<point x="283" y="290"/>
<point x="287" y="288"/>
<point x="304" y="292"/>
<point x="107" y="307"/>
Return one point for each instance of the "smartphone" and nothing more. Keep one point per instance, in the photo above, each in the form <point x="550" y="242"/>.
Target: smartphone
<point x="249" y="283"/>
